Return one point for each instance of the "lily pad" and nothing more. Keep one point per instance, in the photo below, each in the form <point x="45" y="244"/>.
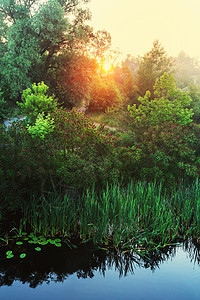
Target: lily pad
<point x="58" y="244"/>
<point x="22" y="255"/>
<point x="51" y="241"/>
<point x="57" y="240"/>
<point x="38" y="249"/>
<point x="8" y="252"/>
<point x="10" y="256"/>
<point x="44" y="243"/>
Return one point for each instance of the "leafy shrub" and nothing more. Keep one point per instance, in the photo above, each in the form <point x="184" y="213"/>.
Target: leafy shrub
<point x="26" y="162"/>
<point x="170" y="152"/>
<point x="72" y="154"/>
<point x="80" y="144"/>
<point x="3" y="108"/>
<point x="165" y="137"/>
<point x="103" y="95"/>
<point x="43" y="126"/>
<point x="36" y="101"/>
<point x="170" y="106"/>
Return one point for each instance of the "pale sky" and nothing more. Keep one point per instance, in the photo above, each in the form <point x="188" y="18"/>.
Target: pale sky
<point x="135" y="24"/>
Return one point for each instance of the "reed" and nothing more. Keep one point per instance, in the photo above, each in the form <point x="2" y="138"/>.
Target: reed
<point x="51" y="215"/>
<point x="136" y="216"/>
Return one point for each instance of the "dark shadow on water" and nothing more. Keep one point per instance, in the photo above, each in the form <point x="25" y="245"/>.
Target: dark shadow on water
<point x="57" y="264"/>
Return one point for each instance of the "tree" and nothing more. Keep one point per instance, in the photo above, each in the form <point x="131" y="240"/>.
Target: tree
<point x="103" y="94"/>
<point x="165" y="131"/>
<point x="187" y="70"/>
<point x="35" y="101"/>
<point x="36" y="33"/>
<point x="171" y="105"/>
<point x="152" y="66"/>
<point x="194" y="92"/>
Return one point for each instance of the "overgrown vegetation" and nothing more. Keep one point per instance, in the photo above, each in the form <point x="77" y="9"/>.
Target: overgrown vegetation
<point x="59" y="173"/>
<point x="139" y="216"/>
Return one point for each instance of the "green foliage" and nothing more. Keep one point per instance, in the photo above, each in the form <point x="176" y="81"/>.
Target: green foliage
<point x="120" y="216"/>
<point x="21" y="56"/>
<point x="194" y="92"/>
<point x="167" y="138"/>
<point x="103" y="94"/>
<point x="68" y="152"/>
<point x="38" y="249"/>
<point x="23" y="255"/>
<point x="187" y="70"/>
<point x="33" y="35"/>
<point x="43" y="126"/>
<point x="50" y="24"/>
<point x="170" y="106"/>
<point x="3" y="107"/>
<point x="26" y="164"/>
<point x="87" y="155"/>
<point x="152" y="65"/>
<point x="71" y="79"/>
<point x="9" y="254"/>
<point x="35" y="101"/>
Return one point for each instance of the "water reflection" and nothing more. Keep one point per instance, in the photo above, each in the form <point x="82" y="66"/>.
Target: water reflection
<point x="56" y="265"/>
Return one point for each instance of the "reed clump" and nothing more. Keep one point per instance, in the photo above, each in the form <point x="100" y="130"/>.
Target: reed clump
<point x="140" y="215"/>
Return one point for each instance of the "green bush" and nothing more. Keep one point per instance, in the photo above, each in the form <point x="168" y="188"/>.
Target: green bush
<point x="73" y="154"/>
<point x="103" y="94"/>
<point x="35" y="101"/>
<point x="3" y="108"/>
<point x="87" y="155"/>
<point x="165" y="142"/>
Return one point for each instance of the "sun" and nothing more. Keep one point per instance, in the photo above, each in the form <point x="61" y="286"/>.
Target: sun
<point x="107" y="66"/>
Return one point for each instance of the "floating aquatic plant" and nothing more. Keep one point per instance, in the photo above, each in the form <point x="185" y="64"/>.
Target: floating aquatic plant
<point x="9" y="254"/>
<point x="23" y="255"/>
<point x="38" y="249"/>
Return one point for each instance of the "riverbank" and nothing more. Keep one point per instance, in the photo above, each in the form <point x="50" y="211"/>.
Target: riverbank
<point x="141" y="216"/>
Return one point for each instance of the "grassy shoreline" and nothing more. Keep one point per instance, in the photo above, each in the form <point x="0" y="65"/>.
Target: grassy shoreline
<point x="139" y="216"/>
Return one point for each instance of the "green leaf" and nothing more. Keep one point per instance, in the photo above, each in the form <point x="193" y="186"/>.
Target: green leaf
<point x="31" y="234"/>
<point x="58" y="244"/>
<point x="22" y="255"/>
<point x="57" y="240"/>
<point x="51" y="241"/>
<point x="44" y="243"/>
<point x="10" y="256"/>
<point x="35" y="242"/>
<point x="38" y="249"/>
<point x="8" y="252"/>
<point x="19" y="243"/>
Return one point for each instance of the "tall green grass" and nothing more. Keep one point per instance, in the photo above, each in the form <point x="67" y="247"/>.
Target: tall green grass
<point x="51" y="215"/>
<point x="136" y="216"/>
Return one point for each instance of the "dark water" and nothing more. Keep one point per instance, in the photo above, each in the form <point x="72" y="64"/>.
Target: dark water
<point x="88" y="274"/>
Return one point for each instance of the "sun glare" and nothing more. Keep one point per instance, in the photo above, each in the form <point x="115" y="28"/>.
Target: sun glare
<point x="107" y="66"/>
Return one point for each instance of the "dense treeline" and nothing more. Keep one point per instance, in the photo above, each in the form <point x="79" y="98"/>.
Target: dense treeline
<point x="50" y="41"/>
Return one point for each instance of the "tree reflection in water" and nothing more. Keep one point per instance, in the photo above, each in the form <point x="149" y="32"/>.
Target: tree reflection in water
<point x="53" y="264"/>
